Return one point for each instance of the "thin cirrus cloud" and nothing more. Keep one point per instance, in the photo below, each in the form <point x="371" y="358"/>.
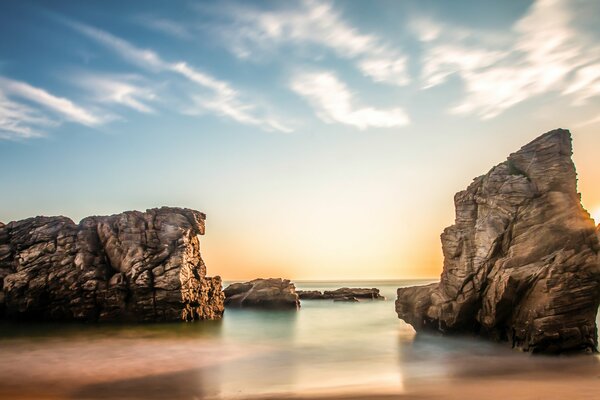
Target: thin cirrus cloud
<point x="164" y="25"/>
<point x="544" y="53"/>
<point x="317" y="24"/>
<point x="333" y="102"/>
<point x="59" y="105"/>
<point x="19" y="120"/>
<point x="126" y="90"/>
<point x="225" y="101"/>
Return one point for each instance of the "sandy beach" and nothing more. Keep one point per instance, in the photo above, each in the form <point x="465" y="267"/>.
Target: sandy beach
<point x="190" y="368"/>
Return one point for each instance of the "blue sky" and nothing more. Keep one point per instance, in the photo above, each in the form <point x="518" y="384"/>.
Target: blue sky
<point x="319" y="137"/>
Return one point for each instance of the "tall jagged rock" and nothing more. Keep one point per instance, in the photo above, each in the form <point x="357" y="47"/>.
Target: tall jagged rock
<point x="521" y="262"/>
<point x="134" y="266"/>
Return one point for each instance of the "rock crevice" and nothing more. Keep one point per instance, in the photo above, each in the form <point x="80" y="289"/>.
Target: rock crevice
<point x="521" y="262"/>
<point x="133" y="266"/>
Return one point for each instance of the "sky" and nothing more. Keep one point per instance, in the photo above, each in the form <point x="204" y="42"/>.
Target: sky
<point x="324" y="140"/>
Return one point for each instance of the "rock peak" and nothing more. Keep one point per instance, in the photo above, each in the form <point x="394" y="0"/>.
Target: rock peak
<point x="521" y="262"/>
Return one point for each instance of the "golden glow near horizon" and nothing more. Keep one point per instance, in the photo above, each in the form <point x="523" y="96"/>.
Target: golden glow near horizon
<point x="595" y="212"/>
<point x="390" y="229"/>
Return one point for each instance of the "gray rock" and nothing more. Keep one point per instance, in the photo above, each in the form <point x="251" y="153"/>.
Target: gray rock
<point x="347" y="299"/>
<point x="132" y="266"/>
<point x="358" y="293"/>
<point x="274" y="293"/>
<point x="521" y="262"/>
<point x="341" y="293"/>
<point x="310" y="294"/>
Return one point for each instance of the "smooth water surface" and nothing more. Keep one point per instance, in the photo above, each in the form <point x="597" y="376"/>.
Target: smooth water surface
<point x="325" y="346"/>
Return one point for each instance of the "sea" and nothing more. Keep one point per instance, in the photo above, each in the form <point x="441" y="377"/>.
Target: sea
<point x="325" y="347"/>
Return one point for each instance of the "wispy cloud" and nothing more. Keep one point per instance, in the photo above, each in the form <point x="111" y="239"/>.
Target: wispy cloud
<point x="19" y="121"/>
<point x="164" y="25"/>
<point x="59" y="105"/>
<point x="225" y="100"/>
<point x="333" y="102"/>
<point x="545" y="53"/>
<point x="318" y="24"/>
<point x="126" y="90"/>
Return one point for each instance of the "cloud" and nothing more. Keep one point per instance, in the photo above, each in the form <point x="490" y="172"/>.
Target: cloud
<point x="225" y="101"/>
<point x="19" y="121"/>
<point x="333" y="102"/>
<point x="125" y="90"/>
<point x="318" y="24"/>
<point x="163" y="25"/>
<point x="544" y="53"/>
<point x="59" y="105"/>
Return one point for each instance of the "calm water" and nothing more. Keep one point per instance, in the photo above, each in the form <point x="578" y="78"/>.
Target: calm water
<point x="323" y="347"/>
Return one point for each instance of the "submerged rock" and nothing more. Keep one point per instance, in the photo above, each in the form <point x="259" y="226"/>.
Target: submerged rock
<point x="274" y="293"/>
<point x="134" y="266"/>
<point x="342" y="293"/>
<point x="521" y="262"/>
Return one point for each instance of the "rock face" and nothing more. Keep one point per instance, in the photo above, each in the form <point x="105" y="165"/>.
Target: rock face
<point x="132" y="266"/>
<point x="357" y="293"/>
<point x="521" y="262"/>
<point x="345" y="293"/>
<point x="275" y="293"/>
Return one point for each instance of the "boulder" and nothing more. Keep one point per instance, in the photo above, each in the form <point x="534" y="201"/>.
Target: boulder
<point x="357" y="293"/>
<point x="274" y="293"/>
<point x="521" y="262"/>
<point x="310" y="294"/>
<point x="347" y="299"/>
<point x="133" y="266"/>
<point x="342" y="293"/>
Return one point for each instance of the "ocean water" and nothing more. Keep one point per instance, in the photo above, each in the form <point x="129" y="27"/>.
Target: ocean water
<point x="324" y="347"/>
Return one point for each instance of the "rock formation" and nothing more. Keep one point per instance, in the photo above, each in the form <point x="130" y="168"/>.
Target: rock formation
<point x="310" y="295"/>
<point x="342" y="293"/>
<point x="346" y="299"/>
<point x="132" y="266"/>
<point x="274" y="293"/>
<point x="521" y="262"/>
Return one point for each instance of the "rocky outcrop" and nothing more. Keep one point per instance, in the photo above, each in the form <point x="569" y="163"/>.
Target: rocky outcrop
<point x="134" y="266"/>
<point x="340" y="294"/>
<point x="274" y="293"/>
<point x="310" y="294"/>
<point x="521" y="262"/>
<point x="357" y="293"/>
<point x="346" y="299"/>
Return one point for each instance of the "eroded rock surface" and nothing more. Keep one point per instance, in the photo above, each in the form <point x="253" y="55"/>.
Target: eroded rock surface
<point x="134" y="266"/>
<point x="274" y="293"/>
<point x="341" y="293"/>
<point x="521" y="262"/>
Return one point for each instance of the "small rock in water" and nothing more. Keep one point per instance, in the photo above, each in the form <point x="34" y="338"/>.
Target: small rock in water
<point x="310" y="294"/>
<point x="349" y="299"/>
<point x="357" y="293"/>
<point x="274" y="293"/>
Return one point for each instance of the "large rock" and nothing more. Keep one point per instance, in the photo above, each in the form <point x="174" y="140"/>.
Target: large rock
<point x="132" y="266"/>
<point x="274" y="293"/>
<point x="521" y="262"/>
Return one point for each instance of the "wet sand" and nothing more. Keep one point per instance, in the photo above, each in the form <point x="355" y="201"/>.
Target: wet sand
<point x="178" y="387"/>
<point x="183" y="372"/>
